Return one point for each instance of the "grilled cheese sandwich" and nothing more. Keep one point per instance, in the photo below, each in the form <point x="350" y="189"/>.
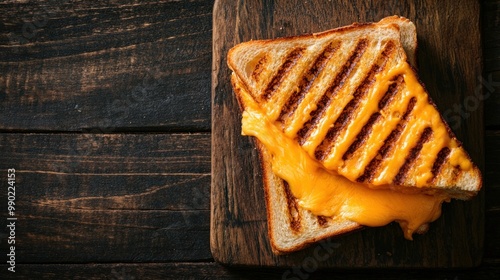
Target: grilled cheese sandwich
<point x="347" y="133"/>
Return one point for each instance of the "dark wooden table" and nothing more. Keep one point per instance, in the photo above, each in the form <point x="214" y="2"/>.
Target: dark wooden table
<point x="105" y="116"/>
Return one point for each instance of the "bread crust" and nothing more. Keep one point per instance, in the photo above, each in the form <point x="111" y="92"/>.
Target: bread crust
<point x="272" y="184"/>
<point x="284" y="237"/>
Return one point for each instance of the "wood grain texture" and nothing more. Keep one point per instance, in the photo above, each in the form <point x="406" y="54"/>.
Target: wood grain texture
<point x="491" y="74"/>
<point x="105" y="57"/>
<point x="492" y="158"/>
<point x="492" y="191"/>
<point x="105" y="67"/>
<point x="78" y="212"/>
<point x="491" y="37"/>
<point x="209" y="270"/>
<point x="109" y="197"/>
<point x="154" y="206"/>
<point x="448" y="67"/>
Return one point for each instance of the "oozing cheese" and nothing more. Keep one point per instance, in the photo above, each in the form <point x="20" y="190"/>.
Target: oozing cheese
<point x="423" y="115"/>
<point x="325" y="193"/>
<point x="329" y="189"/>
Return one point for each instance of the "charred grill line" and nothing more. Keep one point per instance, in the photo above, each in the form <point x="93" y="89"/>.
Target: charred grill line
<point x="362" y="136"/>
<point x="306" y="82"/>
<point x="259" y="68"/>
<point x="349" y="110"/>
<point x="332" y="90"/>
<point x="367" y="128"/>
<point x="322" y="221"/>
<point x="285" y="68"/>
<point x="293" y="208"/>
<point x="391" y="92"/>
<point x="388" y="145"/>
<point x="412" y="156"/>
<point x="440" y="160"/>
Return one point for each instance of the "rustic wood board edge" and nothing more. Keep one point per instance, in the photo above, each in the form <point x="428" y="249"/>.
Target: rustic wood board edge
<point x="211" y="270"/>
<point x="232" y="228"/>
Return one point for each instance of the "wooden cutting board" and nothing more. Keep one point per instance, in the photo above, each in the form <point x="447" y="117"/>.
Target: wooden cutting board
<point x="450" y="65"/>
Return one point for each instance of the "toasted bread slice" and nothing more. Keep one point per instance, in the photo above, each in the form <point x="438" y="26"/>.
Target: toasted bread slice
<point x="324" y="90"/>
<point x="290" y="226"/>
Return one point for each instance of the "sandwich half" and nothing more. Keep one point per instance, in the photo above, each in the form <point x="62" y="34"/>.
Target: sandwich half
<point x="347" y="134"/>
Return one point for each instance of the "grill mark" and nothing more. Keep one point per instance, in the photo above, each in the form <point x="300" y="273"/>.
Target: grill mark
<point x="391" y="92"/>
<point x="412" y="156"/>
<point x="293" y="210"/>
<point x="388" y="146"/>
<point x="439" y="162"/>
<point x="456" y="172"/>
<point x="284" y="69"/>
<point x="259" y="68"/>
<point x="237" y="89"/>
<point x="307" y="81"/>
<point x="349" y="110"/>
<point x="322" y="221"/>
<point x="367" y="128"/>
<point x="362" y="136"/>
<point x="332" y="90"/>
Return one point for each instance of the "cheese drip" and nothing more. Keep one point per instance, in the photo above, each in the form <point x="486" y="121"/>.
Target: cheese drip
<point x="328" y="194"/>
<point x="326" y="189"/>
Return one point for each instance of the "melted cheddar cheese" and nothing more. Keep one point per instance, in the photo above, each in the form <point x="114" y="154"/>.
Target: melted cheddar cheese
<point x="423" y="115"/>
<point x="328" y="194"/>
<point x="329" y="189"/>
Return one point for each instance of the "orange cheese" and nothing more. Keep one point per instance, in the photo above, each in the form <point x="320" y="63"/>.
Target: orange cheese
<point x="423" y="115"/>
<point x="328" y="194"/>
<point x="329" y="188"/>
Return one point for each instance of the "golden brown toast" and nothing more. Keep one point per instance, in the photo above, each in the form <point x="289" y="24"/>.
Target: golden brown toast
<point x="290" y="226"/>
<point x="326" y="91"/>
